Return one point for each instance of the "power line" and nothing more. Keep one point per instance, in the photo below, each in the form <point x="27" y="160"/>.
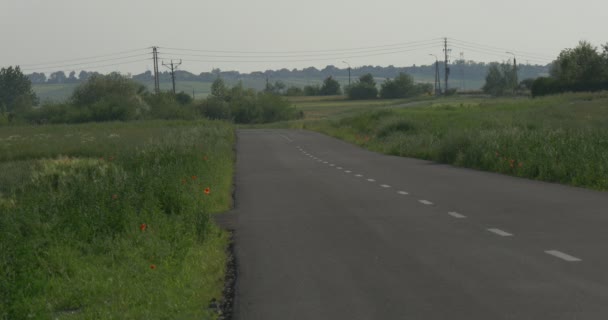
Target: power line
<point x="89" y="62"/>
<point x="90" y="67"/>
<point x="303" y="55"/>
<point x="302" y="51"/>
<point x="314" y="59"/>
<point x="81" y="59"/>
<point x="500" y="50"/>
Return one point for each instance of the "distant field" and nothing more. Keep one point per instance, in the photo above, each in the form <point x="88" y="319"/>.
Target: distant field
<point x="112" y="220"/>
<point x="561" y="138"/>
<point x="61" y="92"/>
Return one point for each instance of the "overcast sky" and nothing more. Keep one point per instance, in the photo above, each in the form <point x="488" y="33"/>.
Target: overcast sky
<point x="48" y="35"/>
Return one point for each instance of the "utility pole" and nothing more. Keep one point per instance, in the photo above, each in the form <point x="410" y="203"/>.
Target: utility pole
<point x="462" y="83"/>
<point x="155" y="60"/>
<point x="437" y="77"/>
<point x="348" y="64"/>
<point x="173" y="67"/>
<point x="515" y="80"/>
<point x="446" y="51"/>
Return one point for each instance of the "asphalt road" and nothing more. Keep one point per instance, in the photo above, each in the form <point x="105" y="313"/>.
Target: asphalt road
<point x="327" y="230"/>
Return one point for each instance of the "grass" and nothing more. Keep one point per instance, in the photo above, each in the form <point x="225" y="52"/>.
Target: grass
<point x="561" y="138"/>
<point x="112" y="221"/>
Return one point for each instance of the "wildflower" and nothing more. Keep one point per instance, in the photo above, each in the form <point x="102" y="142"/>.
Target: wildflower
<point x="207" y="190"/>
<point x="152" y="266"/>
<point x="143" y="227"/>
<point x="114" y="196"/>
<point x="193" y="177"/>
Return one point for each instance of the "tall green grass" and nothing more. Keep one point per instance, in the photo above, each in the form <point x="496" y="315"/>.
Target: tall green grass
<point x="560" y="139"/>
<point x="111" y="221"/>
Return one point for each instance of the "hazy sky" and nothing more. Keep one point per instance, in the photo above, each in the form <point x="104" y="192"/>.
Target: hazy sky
<point x="47" y="35"/>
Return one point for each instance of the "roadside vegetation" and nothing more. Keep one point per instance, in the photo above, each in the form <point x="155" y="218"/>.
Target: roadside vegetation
<point x="561" y="138"/>
<point x="115" y="97"/>
<point x="112" y="220"/>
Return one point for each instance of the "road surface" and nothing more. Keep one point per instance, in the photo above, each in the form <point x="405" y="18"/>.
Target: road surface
<point x="327" y="230"/>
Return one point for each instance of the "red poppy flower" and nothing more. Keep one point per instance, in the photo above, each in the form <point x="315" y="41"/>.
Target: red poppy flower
<point x="207" y="190"/>
<point x="152" y="266"/>
<point x="193" y="177"/>
<point x="143" y="227"/>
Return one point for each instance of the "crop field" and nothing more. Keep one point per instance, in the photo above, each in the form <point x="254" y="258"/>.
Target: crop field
<point x="112" y="221"/>
<point x="561" y="138"/>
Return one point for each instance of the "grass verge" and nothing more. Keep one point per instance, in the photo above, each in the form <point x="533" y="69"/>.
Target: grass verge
<point x="104" y="221"/>
<point x="560" y="138"/>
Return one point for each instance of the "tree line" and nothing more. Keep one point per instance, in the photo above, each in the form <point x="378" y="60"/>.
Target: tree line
<point x="472" y="71"/>
<point x="583" y="68"/>
<point x="115" y="97"/>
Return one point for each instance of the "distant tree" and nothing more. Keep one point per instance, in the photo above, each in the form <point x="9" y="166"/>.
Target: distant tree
<point x="330" y="87"/>
<point x="401" y="87"/>
<point x="72" y="78"/>
<point x="37" y="78"/>
<point x="218" y="88"/>
<point x="16" y="94"/>
<point x="365" y="88"/>
<point x="294" y="91"/>
<point x="277" y="88"/>
<point x="581" y="64"/>
<point x="183" y="98"/>
<point x="57" y="77"/>
<point x="500" y="79"/>
<point x="312" y="90"/>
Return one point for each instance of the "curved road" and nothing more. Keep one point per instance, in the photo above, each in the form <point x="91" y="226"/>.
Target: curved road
<point x="327" y="230"/>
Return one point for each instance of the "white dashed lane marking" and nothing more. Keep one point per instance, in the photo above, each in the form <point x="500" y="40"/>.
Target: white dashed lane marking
<point x="348" y="171"/>
<point x="371" y="180"/>
<point x="457" y="215"/>
<point x="402" y="193"/>
<point x="339" y="168"/>
<point x="358" y="175"/>
<point x="428" y="203"/>
<point x="385" y="186"/>
<point x="332" y="165"/>
<point x="500" y="232"/>
<point x="563" y="256"/>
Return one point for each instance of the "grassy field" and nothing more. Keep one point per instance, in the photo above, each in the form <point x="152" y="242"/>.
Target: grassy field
<point x="560" y="138"/>
<point x="111" y="221"/>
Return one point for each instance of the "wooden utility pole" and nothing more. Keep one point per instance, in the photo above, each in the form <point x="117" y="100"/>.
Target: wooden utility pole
<point x="155" y="60"/>
<point x="173" y="66"/>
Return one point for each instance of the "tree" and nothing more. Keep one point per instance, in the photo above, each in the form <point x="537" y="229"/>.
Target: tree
<point x="581" y="64"/>
<point x="37" y="78"/>
<point x="500" y="79"/>
<point x="312" y="90"/>
<point x="365" y="88"/>
<point x="57" y="77"/>
<point x="401" y="87"/>
<point x="330" y="87"/>
<point x="218" y="88"/>
<point x="16" y="94"/>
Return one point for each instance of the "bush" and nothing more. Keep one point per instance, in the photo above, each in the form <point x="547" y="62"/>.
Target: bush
<point x="363" y="89"/>
<point x="312" y="90"/>
<point x="215" y="108"/>
<point x="402" y="87"/>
